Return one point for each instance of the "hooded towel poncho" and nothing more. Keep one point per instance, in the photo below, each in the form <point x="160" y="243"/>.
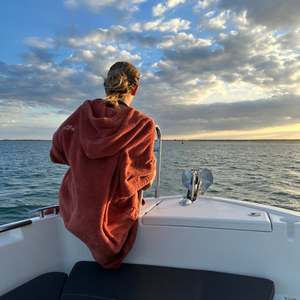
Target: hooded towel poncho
<point x="110" y="154"/>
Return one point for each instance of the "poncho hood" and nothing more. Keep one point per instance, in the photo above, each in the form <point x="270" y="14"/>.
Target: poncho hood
<point x="104" y="131"/>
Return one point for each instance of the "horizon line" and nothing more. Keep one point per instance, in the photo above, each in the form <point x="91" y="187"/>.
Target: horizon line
<point x="186" y="140"/>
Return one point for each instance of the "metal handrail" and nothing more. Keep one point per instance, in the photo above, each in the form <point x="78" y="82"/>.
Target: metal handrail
<point x="14" y="225"/>
<point x="43" y="209"/>
<point x="158" y="166"/>
<point x="158" y="161"/>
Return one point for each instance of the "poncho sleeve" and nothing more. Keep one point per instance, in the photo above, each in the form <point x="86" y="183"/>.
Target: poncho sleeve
<point x="138" y="163"/>
<point x="57" y="154"/>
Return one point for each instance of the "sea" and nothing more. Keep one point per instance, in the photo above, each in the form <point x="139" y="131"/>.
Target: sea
<point x="265" y="172"/>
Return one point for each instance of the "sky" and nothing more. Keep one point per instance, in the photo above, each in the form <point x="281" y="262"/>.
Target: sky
<point x="212" y="69"/>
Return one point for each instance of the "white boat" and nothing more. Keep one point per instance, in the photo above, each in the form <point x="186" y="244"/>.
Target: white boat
<point x="213" y="249"/>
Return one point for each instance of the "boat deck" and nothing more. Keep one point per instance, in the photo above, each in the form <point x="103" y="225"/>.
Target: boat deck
<point x="211" y="235"/>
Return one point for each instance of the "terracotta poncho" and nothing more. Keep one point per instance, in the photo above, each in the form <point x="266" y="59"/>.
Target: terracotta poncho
<point x="110" y="154"/>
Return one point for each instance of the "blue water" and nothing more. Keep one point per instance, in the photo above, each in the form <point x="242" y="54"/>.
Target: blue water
<point x="263" y="172"/>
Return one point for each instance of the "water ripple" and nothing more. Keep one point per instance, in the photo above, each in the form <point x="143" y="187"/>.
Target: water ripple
<point x="261" y="172"/>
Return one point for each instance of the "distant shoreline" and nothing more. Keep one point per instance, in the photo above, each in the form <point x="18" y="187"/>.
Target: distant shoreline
<point x="245" y="140"/>
<point x="180" y="140"/>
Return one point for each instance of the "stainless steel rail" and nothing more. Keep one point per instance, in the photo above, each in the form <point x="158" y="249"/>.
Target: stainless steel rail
<point x="158" y="160"/>
<point x="158" y="166"/>
<point x="14" y="225"/>
<point x="43" y="209"/>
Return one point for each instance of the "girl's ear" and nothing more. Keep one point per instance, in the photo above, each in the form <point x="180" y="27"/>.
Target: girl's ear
<point x="134" y="90"/>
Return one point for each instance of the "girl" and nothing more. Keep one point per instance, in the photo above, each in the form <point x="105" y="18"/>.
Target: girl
<point x="109" y="148"/>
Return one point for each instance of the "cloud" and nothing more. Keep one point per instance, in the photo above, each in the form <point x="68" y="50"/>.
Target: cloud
<point x="97" y="7"/>
<point x="202" y="5"/>
<point x="10" y="109"/>
<point x="183" y="67"/>
<point x="190" y="70"/>
<point x="22" y="70"/>
<point x="48" y="88"/>
<point x="173" y="25"/>
<point x="38" y="56"/>
<point x="277" y="14"/>
<point x="182" y="40"/>
<point x="214" y="24"/>
<point x="39" y="49"/>
<point x="100" y="58"/>
<point x="75" y="38"/>
<point x="251" y="54"/>
<point x="36" y="42"/>
<point x="147" y="41"/>
<point x="172" y="86"/>
<point x="246" y="115"/>
<point x="289" y="41"/>
<point x="274" y="15"/>
<point x="61" y="85"/>
<point x="27" y="122"/>
<point x="161" y="8"/>
<point x="117" y="35"/>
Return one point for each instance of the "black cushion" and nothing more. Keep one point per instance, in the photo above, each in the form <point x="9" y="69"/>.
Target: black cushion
<point x="88" y="280"/>
<point x="45" y="287"/>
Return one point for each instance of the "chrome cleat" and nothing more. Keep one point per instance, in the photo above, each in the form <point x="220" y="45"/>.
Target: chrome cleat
<point x="196" y="183"/>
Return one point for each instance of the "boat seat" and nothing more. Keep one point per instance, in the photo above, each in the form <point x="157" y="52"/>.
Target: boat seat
<point x="44" y="287"/>
<point x="89" y="281"/>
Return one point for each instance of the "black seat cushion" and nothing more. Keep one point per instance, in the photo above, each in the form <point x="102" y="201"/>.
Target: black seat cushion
<point x="88" y="280"/>
<point x="45" y="287"/>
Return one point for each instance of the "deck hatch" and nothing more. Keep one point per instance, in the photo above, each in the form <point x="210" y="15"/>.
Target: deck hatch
<point x="208" y="214"/>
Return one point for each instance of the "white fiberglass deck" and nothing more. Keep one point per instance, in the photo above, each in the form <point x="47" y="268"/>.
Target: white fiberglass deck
<point x="218" y="236"/>
<point x="210" y="214"/>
